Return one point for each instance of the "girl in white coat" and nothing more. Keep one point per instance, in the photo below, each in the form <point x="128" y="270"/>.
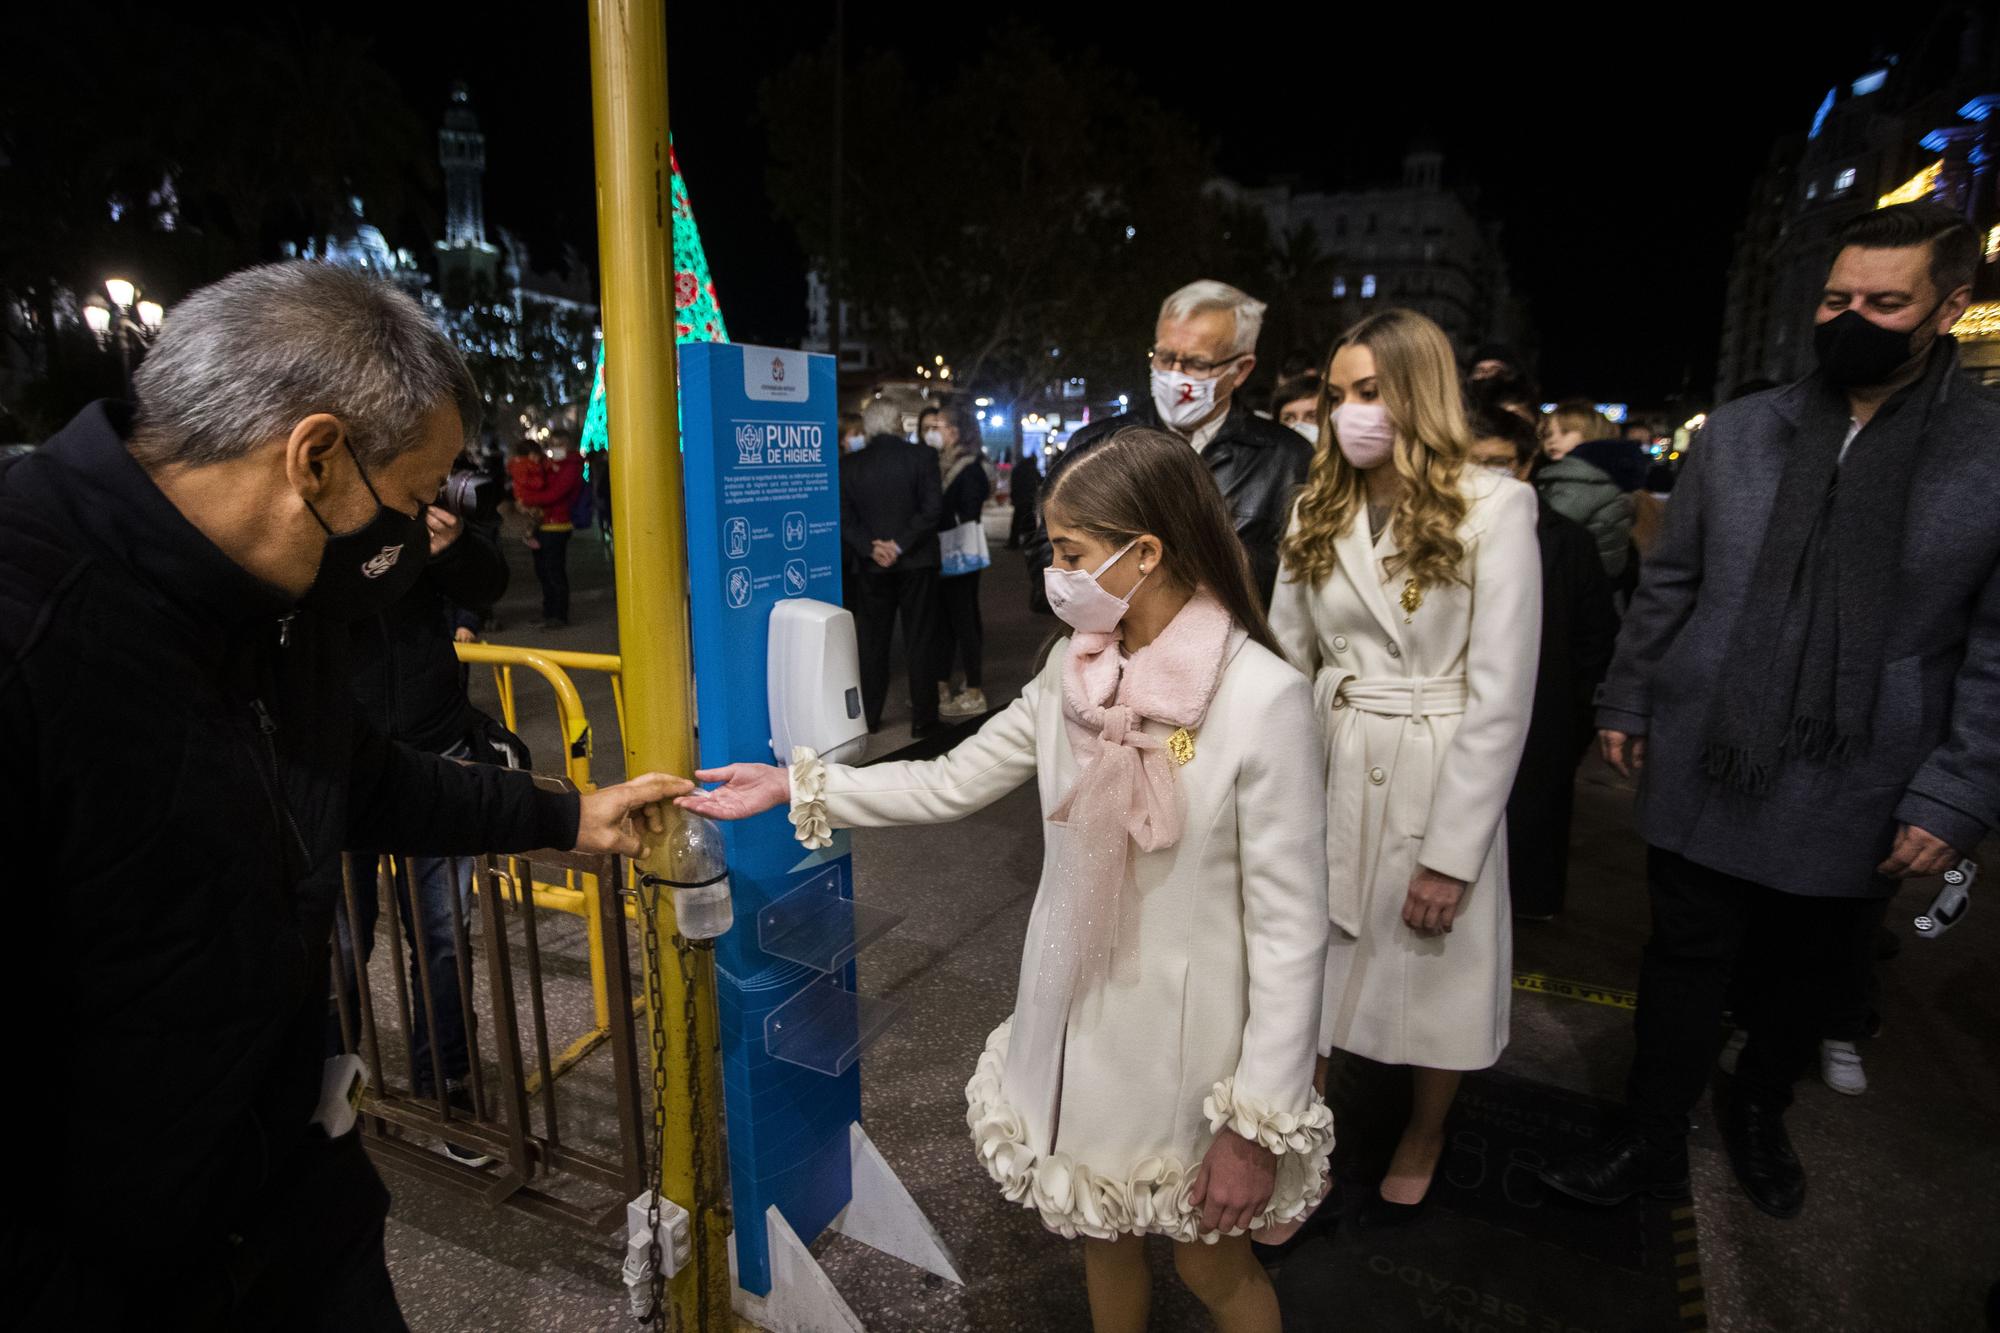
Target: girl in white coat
<point x="1156" y="1074"/>
<point x="1410" y="590"/>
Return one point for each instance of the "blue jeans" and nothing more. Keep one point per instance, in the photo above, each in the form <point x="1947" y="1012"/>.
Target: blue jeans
<point x="437" y="880"/>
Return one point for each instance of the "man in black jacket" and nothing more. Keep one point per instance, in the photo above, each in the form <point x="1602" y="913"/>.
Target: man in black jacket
<point x="1579" y="628"/>
<point x="182" y="754"/>
<point x="412" y="687"/>
<point x="891" y="499"/>
<point x="1204" y="348"/>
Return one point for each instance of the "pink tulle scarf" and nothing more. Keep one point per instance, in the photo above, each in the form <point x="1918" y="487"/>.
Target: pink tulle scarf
<point x="1126" y="790"/>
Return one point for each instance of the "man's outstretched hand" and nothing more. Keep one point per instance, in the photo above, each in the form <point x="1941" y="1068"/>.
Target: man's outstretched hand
<point x="747" y="789"/>
<point x="609" y="819"/>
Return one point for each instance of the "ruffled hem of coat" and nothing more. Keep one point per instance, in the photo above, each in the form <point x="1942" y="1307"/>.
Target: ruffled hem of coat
<point x="808" y="812"/>
<point x="1151" y="1198"/>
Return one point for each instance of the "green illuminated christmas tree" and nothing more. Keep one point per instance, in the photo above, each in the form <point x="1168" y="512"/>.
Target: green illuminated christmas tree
<point x="697" y="316"/>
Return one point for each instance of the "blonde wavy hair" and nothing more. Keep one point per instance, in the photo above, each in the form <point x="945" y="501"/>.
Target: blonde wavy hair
<point x="1416" y="378"/>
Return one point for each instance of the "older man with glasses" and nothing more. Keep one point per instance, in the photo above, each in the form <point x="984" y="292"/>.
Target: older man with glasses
<point x="1204" y="348"/>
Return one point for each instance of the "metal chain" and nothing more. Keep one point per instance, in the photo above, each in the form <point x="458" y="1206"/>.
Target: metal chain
<point x="698" y="1096"/>
<point x="650" y="920"/>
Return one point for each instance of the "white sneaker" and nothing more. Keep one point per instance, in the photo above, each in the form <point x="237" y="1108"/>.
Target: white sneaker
<point x="971" y="703"/>
<point x="944" y="693"/>
<point x="1731" y="1049"/>
<point x="1840" y="1068"/>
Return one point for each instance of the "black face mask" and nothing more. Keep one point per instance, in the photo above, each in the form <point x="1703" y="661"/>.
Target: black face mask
<point x="369" y="569"/>
<point x="1854" y="351"/>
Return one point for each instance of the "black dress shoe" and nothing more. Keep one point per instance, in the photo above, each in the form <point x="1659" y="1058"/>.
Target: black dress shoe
<point x="1761" y="1152"/>
<point x="1613" y="1172"/>
<point x="1324" y="1219"/>
<point x="1380" y="1214"/>
<point x="921" y="730"/>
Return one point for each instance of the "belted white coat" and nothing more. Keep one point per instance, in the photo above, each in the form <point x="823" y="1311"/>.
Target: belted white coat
<point x="1097" y="1115"/>
<point x="1425" y="713"/>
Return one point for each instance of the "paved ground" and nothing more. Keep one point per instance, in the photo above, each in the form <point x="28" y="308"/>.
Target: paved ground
<point x="1901" y="1230"/>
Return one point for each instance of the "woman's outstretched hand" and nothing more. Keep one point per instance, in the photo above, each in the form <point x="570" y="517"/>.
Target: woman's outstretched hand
<point x="746" y="790"/>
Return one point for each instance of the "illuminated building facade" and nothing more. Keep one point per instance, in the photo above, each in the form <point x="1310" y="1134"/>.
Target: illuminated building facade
<point x="1418" y="244"/>
<point x="1910" y="128"/>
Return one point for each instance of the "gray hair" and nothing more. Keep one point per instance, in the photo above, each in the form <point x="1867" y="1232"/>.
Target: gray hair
<point x="882" y="416"/>
<point x="242" y="361"/>
<point x="1208" y="294"/>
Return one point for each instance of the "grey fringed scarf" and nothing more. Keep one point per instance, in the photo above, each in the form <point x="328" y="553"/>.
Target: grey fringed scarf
<point x="1805" y="654"/>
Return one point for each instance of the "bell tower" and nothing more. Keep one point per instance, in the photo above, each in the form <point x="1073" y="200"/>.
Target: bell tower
<point x="466" y="260"/>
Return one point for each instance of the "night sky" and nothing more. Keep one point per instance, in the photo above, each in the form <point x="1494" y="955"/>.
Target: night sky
<point x="1618" y="156"/>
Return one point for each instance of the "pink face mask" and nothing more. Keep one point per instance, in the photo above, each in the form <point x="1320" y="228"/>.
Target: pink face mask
<point x="1084" y="604"/>
<point x="1364" y="432"/>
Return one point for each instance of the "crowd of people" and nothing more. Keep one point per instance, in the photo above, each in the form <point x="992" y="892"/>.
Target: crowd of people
<point x="1308" y="750"/>
<point x="913" y="534"/>
<point x="1305" y="750"/>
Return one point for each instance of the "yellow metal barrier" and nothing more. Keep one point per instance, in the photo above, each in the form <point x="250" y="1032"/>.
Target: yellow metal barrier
<point x="577" y="895"/>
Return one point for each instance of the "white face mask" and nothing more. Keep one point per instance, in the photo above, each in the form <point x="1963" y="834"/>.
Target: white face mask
<point x="1309" y="429"/>
<point x="1082" y="603"/>
<point x="1365" y="433"/>
<point x="1183" y="401"/>
<point x="853" y="442"/>
<point x="934" y="438"/>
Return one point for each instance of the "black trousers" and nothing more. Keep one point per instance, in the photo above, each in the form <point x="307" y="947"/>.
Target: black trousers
<point x="960" y="634"/>
<point x="1852" y="990"/>
<point x="552" y="570"/>
<point x="1539" y="811"/>
<point x="1703" y="922"/>
<point x="881" y="595"/>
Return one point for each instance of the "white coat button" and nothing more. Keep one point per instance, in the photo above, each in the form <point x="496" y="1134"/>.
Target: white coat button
<point x="1395" y="650"/>
<point x="1340" y="643"/>
<point x="1377" y="776"/>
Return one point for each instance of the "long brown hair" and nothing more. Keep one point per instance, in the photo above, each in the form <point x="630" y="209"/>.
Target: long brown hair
<point x="1140" y="480"/>
<point x="1417" y="378"/>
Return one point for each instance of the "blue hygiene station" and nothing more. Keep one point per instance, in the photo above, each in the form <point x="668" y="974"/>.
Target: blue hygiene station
<point x="761" y="462"/>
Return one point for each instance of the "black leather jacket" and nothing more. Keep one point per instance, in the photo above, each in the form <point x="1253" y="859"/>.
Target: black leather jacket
<point x="1258" y="464"/>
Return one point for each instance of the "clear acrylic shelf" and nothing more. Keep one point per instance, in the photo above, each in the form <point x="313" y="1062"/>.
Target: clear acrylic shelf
<point x="815" y="926"/>
<point x="825" y="1028"/>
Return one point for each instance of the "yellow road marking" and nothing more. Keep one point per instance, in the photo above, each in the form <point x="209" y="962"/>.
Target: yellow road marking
<point x="1576" y="990"/>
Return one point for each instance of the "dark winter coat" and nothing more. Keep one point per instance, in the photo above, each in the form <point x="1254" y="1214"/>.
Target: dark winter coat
<point x="1579" y="628"/>
<point x="1933" y="757"/>
<point x="890" y="491"/>
<point x="407" y="678"/>
<point x="182" y="753"/>
<point x="1258" y="464"/>
<point x="965" y="498"/>
<point x="1585" y="493"/>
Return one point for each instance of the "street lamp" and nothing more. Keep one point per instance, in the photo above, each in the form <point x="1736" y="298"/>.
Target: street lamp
<point x="116" y="322"/>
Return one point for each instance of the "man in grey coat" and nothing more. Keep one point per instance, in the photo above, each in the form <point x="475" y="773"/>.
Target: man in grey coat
<point x="1808" y="683"/>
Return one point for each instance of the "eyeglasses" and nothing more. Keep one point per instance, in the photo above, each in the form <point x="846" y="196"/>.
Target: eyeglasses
<point x="1168" y="362"/>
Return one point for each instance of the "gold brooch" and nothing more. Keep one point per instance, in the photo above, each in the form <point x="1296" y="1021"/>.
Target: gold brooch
<point x="1413" y="597"/>
<point x="1180" y="746"/>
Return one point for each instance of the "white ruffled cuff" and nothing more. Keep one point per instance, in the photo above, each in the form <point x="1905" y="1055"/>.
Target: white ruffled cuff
<point x="808" y="812"/>
<point x="1280" y="1131"/>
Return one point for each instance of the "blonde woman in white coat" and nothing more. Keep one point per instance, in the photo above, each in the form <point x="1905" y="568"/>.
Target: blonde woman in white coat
<point x="1410" y="590"/>
<point x="1156" y="1076"/>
